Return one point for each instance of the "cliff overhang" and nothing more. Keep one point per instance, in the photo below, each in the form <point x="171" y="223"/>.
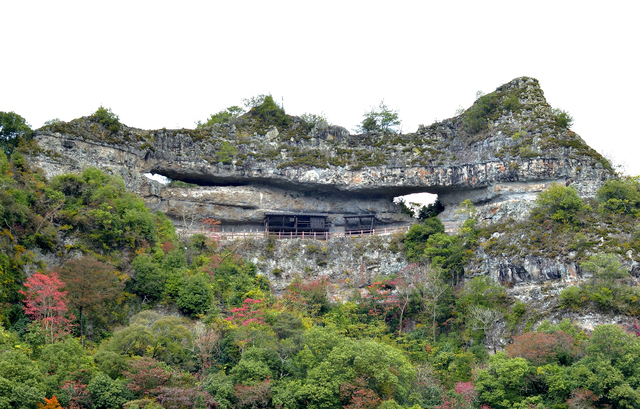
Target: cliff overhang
<point x="499" y="154"/>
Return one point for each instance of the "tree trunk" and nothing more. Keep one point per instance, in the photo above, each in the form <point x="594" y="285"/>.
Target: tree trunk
<point x="433" y="326"/>
<point x="81" y="327"/>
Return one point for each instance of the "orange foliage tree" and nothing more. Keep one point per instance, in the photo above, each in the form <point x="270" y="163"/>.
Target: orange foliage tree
<point x="50" y="403"/>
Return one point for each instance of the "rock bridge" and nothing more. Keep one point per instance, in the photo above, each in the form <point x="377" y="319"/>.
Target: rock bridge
<point x="237" y="171"/>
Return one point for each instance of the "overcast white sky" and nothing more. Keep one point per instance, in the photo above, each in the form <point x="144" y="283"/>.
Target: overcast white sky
<point x="168" y="64"/>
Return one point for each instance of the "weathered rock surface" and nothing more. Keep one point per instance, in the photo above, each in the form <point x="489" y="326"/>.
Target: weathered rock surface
<point x="349" y="263"/>
<point x="246" y="168"/>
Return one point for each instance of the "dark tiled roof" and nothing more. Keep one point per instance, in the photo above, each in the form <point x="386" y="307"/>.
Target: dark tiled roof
<point x="296" y="214"/>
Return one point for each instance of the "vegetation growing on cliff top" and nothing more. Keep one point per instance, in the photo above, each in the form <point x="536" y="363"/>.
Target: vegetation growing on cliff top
<point x="107" y="118"/>
<point x="381" y="119"/>
<point x="519" y="112"/>
<point x="222" y="117"/>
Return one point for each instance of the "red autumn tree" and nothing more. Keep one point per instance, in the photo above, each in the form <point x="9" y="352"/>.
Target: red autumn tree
<point x="380" y="298"/>
<point x="78" y="395"/>
<point x="255" y="396"/>
<point x="89" y="283"/>
<point x="147" y="377"/>
<point x="541" y="348"/>
<point x="186" y="398"/>
<point x="47" y="304"/>
<point x="358" y="395"/>
<point x="212" y="227"/>
<point x="582" y="398"/>
<point x="309" y="297"/>
<point x="251" y="329"/>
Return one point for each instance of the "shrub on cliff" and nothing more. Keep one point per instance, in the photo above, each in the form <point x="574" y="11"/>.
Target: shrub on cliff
<point x="558" y="203"/>
<point x="476" y="117"/>
<point x="563" y="119"/>
<point x="270" y="113"/>
<point x="222" y="117"/>
<point x="619" y="196"/>
<point x="606" y="290"/>
<point x="416" y="240"/>
<point x="312" y="120"/>
<point x="511" y="103"/>
<point x="381" y="119"/>
<point x="107" y="118"/>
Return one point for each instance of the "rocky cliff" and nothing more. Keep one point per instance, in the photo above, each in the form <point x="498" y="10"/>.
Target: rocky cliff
<point x="499" y="153"/>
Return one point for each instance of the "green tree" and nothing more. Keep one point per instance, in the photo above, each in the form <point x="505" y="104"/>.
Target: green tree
<point x="558" y="203"/>
<point x="562" y="118"/>
<point x="21" y="383"/>
<point x="612" y="343"/>
<point x="107" y="118"/>
<point x="226" y="153"/>
<point x="313" y="120"/>
<point x="611" y="368"/>
<point x="254" y="101"/>
<point x="448" y="252"/>
<point x="256" y="365"/>
<point x="220" y="386"/>
<point x="504" y="382"/>
<point x="329" y="360"/>
<point x="89" y="283"/>
<point x="476" y="118"/>
<point x="13" y="129"/>
<point x="108" y="393"/>
<point x="380" y="119"/>
<point x="269" y="113"/>
<point x="222" y="117"/>
<point x="98" y="207"/>
<point x="164" y="338"/>
<point x="195" y="296"/>
<point x="605" y="288"/>
<point x="605" y="268"/>
<point x="416" y="239"/>
<point x="149" y="279"/>
<point x="432" y="210"/>
<point x="61" y="360"/>
<point x="483" y="291"/>
<point x="233" y="281"/>
<point x="619" y="196"/>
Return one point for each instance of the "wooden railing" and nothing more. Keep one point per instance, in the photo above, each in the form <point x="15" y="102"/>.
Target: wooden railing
<point x="233" y="235"/>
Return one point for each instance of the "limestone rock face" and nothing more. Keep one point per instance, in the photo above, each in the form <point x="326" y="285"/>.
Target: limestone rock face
<point x="499" y="154"/>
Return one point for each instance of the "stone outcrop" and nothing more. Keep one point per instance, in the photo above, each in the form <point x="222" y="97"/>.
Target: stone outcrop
<point x="242" y="169"/>
<point x="349" y="263"/>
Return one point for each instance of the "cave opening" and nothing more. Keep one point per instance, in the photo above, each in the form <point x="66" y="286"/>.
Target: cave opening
<point x="420" y="205"/>
<point x="158" y="178"/>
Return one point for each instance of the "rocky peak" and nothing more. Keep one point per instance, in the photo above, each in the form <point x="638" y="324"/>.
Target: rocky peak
<point x="499" y="153"/>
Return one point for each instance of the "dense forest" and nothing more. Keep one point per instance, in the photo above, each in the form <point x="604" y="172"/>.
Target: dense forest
<point x="103" y="305"/>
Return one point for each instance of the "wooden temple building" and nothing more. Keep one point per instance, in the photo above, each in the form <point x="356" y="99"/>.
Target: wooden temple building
<point x="296" y="223"/>
<point x="315" y="224"/>
<point x="359" y="224"/>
